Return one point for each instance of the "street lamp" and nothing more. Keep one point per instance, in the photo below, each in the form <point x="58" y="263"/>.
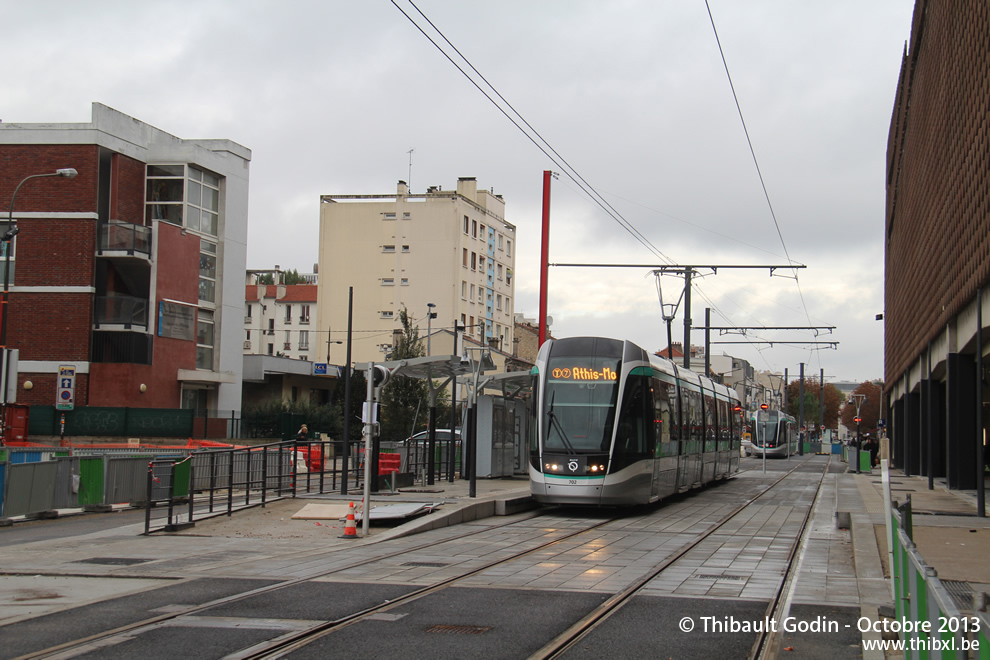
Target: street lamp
<point x="430" y="315"/>
<point x="12" y="229"/>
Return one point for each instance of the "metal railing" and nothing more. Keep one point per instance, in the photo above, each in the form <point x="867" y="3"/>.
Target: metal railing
<point x="124" y="237"/>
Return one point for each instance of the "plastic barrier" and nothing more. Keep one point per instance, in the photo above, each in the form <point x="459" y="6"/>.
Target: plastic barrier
<point x="389" y="463"/>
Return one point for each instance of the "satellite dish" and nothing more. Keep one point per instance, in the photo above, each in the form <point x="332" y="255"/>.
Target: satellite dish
<point x="549" y="321"/>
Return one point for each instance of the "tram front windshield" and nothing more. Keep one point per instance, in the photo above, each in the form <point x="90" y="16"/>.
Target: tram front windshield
<point x="579" y="402"/>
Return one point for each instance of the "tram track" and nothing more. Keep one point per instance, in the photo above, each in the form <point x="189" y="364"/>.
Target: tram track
<point x="297" y="639"/>
<point x="555" y="648"/>
<point x="579" y="630"/>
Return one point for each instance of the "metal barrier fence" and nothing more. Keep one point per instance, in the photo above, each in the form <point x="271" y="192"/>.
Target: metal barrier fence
<point x="932" y="624"/>
<point x="219" y="481"/>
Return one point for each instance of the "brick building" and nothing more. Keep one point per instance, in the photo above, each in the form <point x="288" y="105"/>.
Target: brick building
<point x="127" y="271"/>
<point x="937" y="247"/>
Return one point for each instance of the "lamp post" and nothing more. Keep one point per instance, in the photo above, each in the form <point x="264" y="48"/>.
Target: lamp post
<point x="8" y="235"/>
<point x="430" y="315"/>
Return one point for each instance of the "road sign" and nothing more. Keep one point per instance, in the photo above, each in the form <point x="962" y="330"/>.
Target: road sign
<point x="65" y="395"/>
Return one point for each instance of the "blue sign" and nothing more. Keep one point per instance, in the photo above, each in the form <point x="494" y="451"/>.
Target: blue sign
<point x="319" y="368"/>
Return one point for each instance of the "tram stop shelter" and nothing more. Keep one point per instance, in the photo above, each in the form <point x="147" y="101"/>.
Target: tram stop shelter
<point x="439" y="371"/>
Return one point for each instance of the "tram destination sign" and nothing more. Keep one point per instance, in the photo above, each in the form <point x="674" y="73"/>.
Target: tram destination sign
<point x="583" y="374"/>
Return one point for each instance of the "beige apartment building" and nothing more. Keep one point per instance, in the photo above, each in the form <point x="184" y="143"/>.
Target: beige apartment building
<point x="451" y="249"/>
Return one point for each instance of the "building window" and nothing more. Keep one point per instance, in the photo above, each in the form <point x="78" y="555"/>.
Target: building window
<point x="287" y="344"/>
<point x="508" y="276"/>
<point x="499" y="266"/>
<point x="406" y="215"/>
<point x="474" y="261"/>
<point x="500" y="245"/>
<point x="508" y="248"/>
<point x="404" y="281"/>
<point x="386" y="313"/>
<point x="465" y="224"/>
<point x="388" y="248"/>
<point x="304" y="314"/>
<point x="481" y="230"/>
<point x="203" y="201"/>
<point x="388" y="281"/>
<point x="463" y="290"/>
<point x="204" y="339"/>
<point x="288" y="314"/>
<point x="271" y="349"/>
<point x="389" y="216"/>
<point x="247" y="313"/>
<point x="472" y="293"/>
<point x="207" y="271"/>
<point x="405" y="248"/>
<point x="481" y="293"/>
<point x="498" y="302"/>
<point x="464" y="257"/>
<point x="481" y="263"/>
<point x="474" y="228"/>
<point x="304" y="340"/>
<point x="164" y="197"/>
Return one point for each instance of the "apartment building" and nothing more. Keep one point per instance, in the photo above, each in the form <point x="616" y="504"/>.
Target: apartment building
<point x="280" y="320"/>
<point x="127" y="272"/>
<point x="451" y="253"/>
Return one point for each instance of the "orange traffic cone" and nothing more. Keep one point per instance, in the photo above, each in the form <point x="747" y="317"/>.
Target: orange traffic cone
<point x="350" y="528"/>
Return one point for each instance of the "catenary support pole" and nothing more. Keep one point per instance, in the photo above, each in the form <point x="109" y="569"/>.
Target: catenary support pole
<point x="544" y="259"/>
<point x="346" y="444"/>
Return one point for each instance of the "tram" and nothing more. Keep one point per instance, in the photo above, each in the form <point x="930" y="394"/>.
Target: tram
<point x="774" y="433"/>
<point x="615" y="425"/>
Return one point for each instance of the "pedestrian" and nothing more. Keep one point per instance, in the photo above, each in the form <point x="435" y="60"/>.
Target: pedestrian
<point x="303" y="434"/>
<point x="873" y="446"/>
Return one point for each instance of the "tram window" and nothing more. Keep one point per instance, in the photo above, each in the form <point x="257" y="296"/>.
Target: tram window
<point x="664" y="417"/>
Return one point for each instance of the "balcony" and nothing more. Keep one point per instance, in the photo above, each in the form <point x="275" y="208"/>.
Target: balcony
<point x="118" y="237"/>
<point x="126" y="311"/>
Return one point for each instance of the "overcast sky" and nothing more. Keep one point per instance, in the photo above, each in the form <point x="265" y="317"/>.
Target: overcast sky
<point x="331" y="95"/>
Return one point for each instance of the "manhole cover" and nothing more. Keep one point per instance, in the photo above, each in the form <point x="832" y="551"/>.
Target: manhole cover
<point x="459" y="630"/>
<point x="112" y="561"/>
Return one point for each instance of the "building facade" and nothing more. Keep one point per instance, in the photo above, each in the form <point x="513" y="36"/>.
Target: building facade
<point x="280" y="320"/>
<point x="451" y="249"/>
<point x="937" y="244"/>
<point x="128" y="271"/>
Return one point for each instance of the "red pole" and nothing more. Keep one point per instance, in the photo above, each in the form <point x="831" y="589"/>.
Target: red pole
<point x="544" y="257"/>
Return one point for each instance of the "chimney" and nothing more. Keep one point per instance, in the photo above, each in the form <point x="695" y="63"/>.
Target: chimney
<point x="467" y="186"/>
<point x="403" y="189"/>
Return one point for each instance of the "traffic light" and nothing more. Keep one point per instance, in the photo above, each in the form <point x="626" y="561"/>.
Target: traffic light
<point x="764" y="406"/>
<point x="857" y="419"/>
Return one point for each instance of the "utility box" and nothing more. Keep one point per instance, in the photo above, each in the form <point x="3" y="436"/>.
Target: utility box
<point x="16" y="422"/>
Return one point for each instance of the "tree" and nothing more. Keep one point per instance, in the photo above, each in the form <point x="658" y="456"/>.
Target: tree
<point x="812" y="402"/>
<point x="404" y="401"/>
<point x="869" y="411"/>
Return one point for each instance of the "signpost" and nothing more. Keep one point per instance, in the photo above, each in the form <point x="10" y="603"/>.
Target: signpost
<point x="65" y="395"/>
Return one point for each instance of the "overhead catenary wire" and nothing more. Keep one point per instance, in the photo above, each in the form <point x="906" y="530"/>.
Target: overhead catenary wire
<point x="531" y="133"/>
<point x="507" y="109"/>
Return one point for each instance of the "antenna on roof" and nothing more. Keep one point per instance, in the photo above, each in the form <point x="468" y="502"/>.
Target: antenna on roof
<point x="409" y="178"/>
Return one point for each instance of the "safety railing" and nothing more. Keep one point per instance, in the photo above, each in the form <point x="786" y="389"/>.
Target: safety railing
<point x="929" y="621"/>
<point x="218" y="482"/>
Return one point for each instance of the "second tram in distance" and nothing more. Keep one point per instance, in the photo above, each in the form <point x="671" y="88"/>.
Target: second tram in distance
<point x="615" y="425"/>
<point x="774" y="434"/>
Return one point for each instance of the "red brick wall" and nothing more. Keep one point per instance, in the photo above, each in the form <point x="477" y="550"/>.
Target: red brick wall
<point x="54" y="193"/>
<point x="938" y="190"/>
<point x="127" y="189"/>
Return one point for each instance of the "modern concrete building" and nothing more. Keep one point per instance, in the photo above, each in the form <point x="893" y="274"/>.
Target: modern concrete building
<point x="131" y="273"/>
<point x="450" y="249"/>
<point x="937" y="249"/>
